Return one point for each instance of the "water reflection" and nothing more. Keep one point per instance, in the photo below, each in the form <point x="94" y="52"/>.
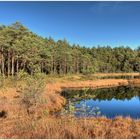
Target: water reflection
<point x="118" y="93"/>
<point x="123" y="100"/>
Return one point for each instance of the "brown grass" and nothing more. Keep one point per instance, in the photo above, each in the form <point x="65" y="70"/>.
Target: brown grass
<point x="58" y="86"/>
<point x="69" y="128"/>
<point x="117" y="74"/>
<point x="52" y="93"/>
<point x="18" y="125"/>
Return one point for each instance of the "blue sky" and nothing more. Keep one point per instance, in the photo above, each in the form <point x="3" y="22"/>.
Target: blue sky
<point x="86" y="23"/>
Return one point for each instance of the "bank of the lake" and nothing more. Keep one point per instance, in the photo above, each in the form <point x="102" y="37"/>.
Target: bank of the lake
<point x="51" y="127"/>
<point x="54" y="88"/>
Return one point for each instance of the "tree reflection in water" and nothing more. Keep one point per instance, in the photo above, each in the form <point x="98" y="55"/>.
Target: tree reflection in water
<point x="118" y="93"/>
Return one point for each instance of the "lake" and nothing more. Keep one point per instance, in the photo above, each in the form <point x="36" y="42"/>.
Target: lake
<point x="109" y="102"/>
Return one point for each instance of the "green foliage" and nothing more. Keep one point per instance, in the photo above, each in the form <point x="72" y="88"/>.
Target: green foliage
<point x="87" y="111"/>
<point x="1" y="81"/>
<point x="69" y="109"/>
<point x="94" y="111"/>
<point x="32" y="91"/>
<point x="22" y="75"/>
<point x="84" y="110"/>
<point x="21" y="49"/>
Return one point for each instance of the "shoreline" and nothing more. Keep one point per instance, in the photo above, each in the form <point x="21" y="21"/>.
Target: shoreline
<point x="53" y="89"/>
<point x="57" y="87"/>
<point x="54" y="103"/>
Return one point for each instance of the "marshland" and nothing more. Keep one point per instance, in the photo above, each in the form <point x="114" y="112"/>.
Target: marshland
<point x="40" y="106"/>
<point x="53" y="88"/>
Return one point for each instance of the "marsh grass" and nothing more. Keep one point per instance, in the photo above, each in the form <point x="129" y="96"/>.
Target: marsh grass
<point x="31" y="91"/>
<point x="62" y="127"/>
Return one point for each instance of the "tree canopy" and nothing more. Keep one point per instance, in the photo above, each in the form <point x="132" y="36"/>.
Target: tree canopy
<point x="21" y="49"/>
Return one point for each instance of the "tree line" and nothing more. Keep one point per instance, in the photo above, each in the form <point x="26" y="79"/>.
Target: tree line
<point x="21" y="49"/>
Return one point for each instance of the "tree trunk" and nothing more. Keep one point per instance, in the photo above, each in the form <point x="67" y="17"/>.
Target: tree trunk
<point x="0" y="67"/>
<point x="42" y="65"/>
<point x="12" y="66"/>
<point x="53" y="66"/>
<point x="24" y="63"/>
<point x="77" y="66"/>
<point x="65" y="66"/>
<point x="8" y="63"/>
<point x="17" y="66"/>
<point x="2" y="61"/>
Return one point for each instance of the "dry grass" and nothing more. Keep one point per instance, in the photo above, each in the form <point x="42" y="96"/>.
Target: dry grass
<point x="10" y="96"/>
<point x="117" y="74"/>
<point x="81" y="77"/>
<point x="18" y="125"/>
<point x="134" y="81"/>
<point x="58" y="86"/>
<point x="69" y="128"/>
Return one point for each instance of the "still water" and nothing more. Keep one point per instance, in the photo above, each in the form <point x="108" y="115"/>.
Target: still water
<point x="110" y="102"/>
